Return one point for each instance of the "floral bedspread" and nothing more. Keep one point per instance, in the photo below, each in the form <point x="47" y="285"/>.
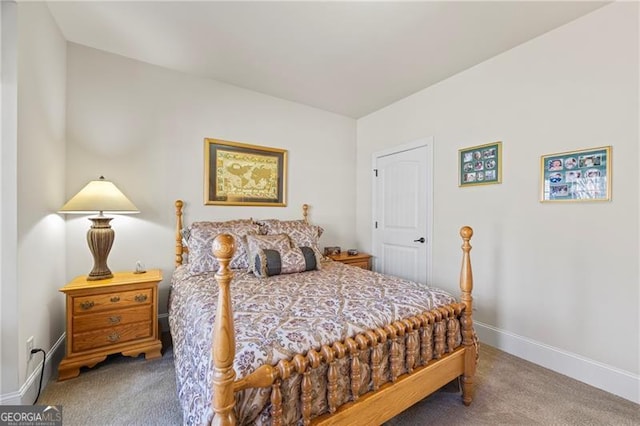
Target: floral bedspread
<point x="276" y="318"/>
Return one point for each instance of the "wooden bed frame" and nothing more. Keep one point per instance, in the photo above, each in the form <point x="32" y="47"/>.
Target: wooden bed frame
<point x="430" y="358"/>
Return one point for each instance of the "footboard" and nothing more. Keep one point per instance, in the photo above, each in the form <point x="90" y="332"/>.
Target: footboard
<point x="389" y="368"/>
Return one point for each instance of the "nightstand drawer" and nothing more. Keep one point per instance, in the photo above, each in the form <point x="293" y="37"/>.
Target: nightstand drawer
<point x="111" y="336"/>
<point x="115" y="300"/>
<point x="90" y="322"/>
<point x="364" y="264"/>
<point x="361" y="260"/>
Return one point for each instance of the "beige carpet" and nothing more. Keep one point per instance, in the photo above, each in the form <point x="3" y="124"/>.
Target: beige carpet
<point x="510" y="391"/>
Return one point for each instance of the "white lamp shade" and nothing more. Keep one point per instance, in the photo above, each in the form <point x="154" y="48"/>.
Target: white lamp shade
<point x="99" y="196"/>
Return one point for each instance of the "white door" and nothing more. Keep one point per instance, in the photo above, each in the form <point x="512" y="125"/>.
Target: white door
<point x="403" y="210"/>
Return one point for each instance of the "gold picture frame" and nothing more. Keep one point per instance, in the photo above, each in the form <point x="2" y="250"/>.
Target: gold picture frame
<point x="581" y="175"/>
<point x="480" y="165"/>
<point x="238" y="174"/>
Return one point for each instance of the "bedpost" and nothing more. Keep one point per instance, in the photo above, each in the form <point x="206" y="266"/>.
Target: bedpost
<point x="224" y="337"/>
<point x="179" y="248"/>
<point x="466" y="287"/>
<point x="305" y="213"/>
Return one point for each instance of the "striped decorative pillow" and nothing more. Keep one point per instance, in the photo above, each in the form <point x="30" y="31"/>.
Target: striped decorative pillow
<point x="255" y="243"/>
<point x="269" y="262"/>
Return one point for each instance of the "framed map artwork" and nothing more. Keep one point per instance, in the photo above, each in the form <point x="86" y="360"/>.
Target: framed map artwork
<point x="238" y="174"/>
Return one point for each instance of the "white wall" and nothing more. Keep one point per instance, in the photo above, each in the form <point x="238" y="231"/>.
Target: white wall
<point x="8" y="197"/>
<point x="143" y="127"/>
<point x="554" y="283"/>
<point x="41" y="175"/>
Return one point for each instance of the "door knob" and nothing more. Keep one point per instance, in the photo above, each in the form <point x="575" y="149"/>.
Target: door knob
<point x="419" y="240"/>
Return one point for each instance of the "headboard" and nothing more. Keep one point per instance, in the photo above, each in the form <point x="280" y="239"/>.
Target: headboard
<point x="182" y="249"/>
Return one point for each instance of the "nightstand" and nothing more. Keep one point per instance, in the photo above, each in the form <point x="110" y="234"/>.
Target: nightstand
<point x="115" y="315"/>
<point x="361" y="260"/>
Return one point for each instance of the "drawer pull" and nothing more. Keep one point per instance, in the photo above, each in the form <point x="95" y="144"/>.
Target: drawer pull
<point x="114" y="337"/>
<point x="86" y="305"/>
<point x="115" y="299"/>
<point x="141" y="298"/>
<point x="115" y="319"/>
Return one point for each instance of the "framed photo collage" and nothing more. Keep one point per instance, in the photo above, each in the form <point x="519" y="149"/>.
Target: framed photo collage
<point x="581" y="175"/>
<point x="480" y="165"/>
<point x="576" y="175"/>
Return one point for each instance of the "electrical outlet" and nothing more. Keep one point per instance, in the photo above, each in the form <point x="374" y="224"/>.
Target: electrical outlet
<point x="30" y="346"/>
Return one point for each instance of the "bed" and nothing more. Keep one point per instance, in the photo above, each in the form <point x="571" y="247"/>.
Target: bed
<point x="260" y="338"/>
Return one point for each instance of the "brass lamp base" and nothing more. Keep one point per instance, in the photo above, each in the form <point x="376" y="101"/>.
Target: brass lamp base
<point x="100" y="239"/>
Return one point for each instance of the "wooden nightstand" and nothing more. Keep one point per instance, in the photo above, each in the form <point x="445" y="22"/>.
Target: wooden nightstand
<point x="361" y="260"/>
<point x="119" y="314"/>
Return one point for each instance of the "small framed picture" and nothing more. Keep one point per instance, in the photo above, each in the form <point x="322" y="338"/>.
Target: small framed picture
<point x="332" y="250"/>
<point x="480" y="165"/>
<point x="583" y="175"/>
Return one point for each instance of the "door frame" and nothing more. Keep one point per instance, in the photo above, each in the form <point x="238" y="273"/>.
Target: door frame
<point x="418" y="143"/>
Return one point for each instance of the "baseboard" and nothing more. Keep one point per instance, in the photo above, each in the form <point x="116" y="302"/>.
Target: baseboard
<point x="29" y="390"/>
<point x="12" y="398"/>
<point x="594" y="373"/>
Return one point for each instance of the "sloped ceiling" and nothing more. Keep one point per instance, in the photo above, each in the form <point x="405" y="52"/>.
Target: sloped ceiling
<point x="351" y="58"/>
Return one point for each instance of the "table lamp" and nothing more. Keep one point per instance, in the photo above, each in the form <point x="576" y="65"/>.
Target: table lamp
<point x="99" y="196"/>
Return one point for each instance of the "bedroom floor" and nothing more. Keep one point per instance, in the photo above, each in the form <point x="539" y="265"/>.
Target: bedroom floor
<point x="510" y="391"/>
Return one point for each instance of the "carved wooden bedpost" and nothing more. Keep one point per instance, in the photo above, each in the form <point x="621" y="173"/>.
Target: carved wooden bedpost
<point x="466" y="286"/>
<point x="224" y="343"/>
<point x="179" y="248"/>
<point x="305" y="213"/>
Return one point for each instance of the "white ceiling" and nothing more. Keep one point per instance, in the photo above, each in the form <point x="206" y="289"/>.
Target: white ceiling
<point x="350" y="58"/>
